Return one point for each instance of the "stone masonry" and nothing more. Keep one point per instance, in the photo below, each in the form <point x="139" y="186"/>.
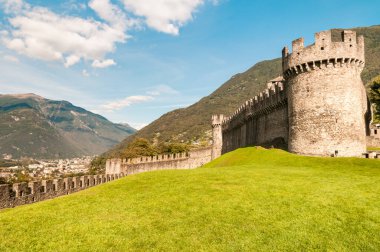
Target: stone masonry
<point x="25" y="193"/>
<point x="192" y="159"/>
<point x="217" y="139"/>
<point x="317" y="108"/>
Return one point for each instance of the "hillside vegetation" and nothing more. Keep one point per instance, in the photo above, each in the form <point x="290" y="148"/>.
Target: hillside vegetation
<point x="193" y="123"/>
<point x="32" y="126"/>
<point x="247" y="200"/>
<point x="374" y="95"/>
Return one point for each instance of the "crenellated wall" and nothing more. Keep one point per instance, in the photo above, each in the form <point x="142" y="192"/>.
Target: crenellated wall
<point x="262" y="120"/>
<point x="192" y="159"/>
<point x="323" y="51"/>
<point x="26" y="193"/>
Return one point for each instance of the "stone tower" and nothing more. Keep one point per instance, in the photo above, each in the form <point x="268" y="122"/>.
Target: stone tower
<point x="326" y="96"/>
<point x="217" y="140"/>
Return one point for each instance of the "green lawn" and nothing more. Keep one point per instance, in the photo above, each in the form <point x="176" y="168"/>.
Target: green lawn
<point x="373" y="148"/>
<point x="247" y="200"/>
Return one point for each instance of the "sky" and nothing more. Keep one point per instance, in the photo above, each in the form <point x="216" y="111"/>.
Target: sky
<point x="134" y="60"/>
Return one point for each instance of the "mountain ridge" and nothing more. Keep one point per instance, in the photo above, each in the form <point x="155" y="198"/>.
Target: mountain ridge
<point x="36" y="127"/>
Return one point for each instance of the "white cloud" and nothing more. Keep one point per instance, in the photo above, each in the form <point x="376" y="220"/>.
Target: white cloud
<point x="42" y="34"/>
<point x="12" y="6"/>
<point x="109" y="12"/>
<point x="85" y="73"/>
<point x="11" y="58"/>
<point x="103" y="63"/>
<point x="71" y="60"/>
<point x="3" y="33"/>
<point x="128" y="101"/>
<point x="164" y="15"/>
<point x="150" y="95"/>
<point x="161" y="89"/>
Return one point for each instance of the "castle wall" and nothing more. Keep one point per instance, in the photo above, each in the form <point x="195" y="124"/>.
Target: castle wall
<point x="262" y="120"/>
<point x="373" y="141"/>
<point x="190" y="160"/>
<point x="375" y="132"/>
<point x="274" y="126"/>
<point x="25" y="193"/>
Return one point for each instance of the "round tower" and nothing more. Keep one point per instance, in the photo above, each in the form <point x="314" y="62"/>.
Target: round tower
<point x="326" y="97"/>
<point x="217" y="140"/>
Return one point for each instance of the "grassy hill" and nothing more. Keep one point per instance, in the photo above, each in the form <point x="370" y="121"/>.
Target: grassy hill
<point x="32" y="126"/>
<point x="247" y="200"/>
<point x="241" y="87"/>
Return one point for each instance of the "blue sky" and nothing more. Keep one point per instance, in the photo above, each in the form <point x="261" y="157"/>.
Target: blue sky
<point x="133" y="60"/>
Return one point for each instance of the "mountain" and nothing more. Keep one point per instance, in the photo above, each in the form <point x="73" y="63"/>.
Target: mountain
<point x="32" y="126"/>
<point x="194" y="123"/>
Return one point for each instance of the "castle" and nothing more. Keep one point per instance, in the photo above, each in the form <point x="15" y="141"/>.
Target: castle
<point x="318" y="108"/>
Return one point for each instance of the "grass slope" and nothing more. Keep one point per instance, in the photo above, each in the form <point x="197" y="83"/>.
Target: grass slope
<point x="247" y="200"/>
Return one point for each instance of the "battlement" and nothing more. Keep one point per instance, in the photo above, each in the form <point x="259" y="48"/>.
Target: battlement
<point x="217" y="119"/>
<point x="184" y="160"/>
<point x="150" y="159"/>
<point x="115" y="164"/>
<point x="267" y="100"/>
<point x="26" y="193"/>
<point x="163" y="157"/>
<point x="324" y="53"/>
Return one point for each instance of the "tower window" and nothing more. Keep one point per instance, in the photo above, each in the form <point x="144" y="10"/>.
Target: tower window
<point x="322" y="48"/>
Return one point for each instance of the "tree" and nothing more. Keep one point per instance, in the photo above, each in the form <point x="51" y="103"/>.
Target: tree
<point x="98" y="165"/>
<point x="374" y="96"/>
<point x="171" y="148"/>
<point x="139" y="147"/>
